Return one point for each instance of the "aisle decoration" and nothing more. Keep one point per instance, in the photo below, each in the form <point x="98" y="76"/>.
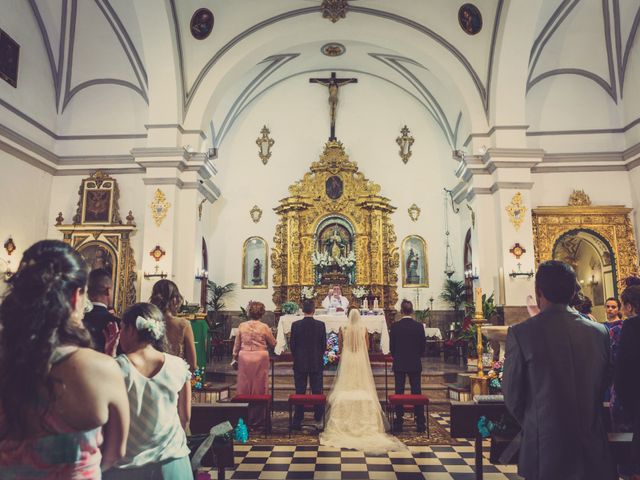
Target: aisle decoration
<point x="331" y="357"/>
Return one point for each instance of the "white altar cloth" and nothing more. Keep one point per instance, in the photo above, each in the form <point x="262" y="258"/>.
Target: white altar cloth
<point x="433" y="332"/>
<point x="374" y="324"/>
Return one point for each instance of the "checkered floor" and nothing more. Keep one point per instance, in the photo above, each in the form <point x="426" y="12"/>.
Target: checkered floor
<point x="313" y="462"/>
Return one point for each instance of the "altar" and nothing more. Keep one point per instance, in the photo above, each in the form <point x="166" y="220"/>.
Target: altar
<point x="374" y="324"/>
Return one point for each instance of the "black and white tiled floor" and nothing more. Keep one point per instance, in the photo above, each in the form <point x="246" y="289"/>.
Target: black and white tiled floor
<point x="313" y="462"/>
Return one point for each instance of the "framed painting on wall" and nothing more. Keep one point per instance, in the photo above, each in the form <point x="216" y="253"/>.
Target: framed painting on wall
<point x="255" y="263"/>
<point x="415" y="271"/>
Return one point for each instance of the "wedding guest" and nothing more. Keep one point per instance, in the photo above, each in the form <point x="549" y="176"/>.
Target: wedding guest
<point x="614" y="327"/>
<point x="334" y="299"/>
<point x="625" y="406"/>
<point x="408" y="341"/>
<point x="250" y="351"/>
<point x="100" y="293"/>
<point x="612" y="308"/>
<point x="308" y="342"/>
<point x="159" y="389"/>
<point x="180" y="341"/>
<point x="585" y="307"/>
<point x="58" y="397"/>
<point x="556" y="370"/>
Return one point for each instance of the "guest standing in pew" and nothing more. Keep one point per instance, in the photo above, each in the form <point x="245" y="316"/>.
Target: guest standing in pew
<point x="408" y="342"/>
<point x="308" y="341"/>
<point x="556" y="369"/>
<point x="180" y="342"/>
<point x="250" y="351"/>
<point x="625" y="404"/>
<point x="100" y="292"/>
<point x="63" y="406"/>
<point x="159" y="390"/>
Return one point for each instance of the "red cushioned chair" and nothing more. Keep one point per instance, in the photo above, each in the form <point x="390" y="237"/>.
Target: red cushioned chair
<point x="407" y="401"/>
<point x="254" y="400"/>
<point x="307" y="401"/>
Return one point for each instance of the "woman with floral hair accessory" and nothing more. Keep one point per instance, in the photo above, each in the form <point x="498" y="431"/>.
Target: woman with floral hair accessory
<point x="159" y="389"/>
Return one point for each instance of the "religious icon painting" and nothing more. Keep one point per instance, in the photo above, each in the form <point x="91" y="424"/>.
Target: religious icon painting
<point x="334" y="187"/>
<point x="97" y="199"/>
<point x="99" y="255"/>
<point x="470" y="19"/>
<point x="201" y="23"/>
<point x="9" y="55"/>
<point x="415" y="269"/>
<point x="254" y="263"/>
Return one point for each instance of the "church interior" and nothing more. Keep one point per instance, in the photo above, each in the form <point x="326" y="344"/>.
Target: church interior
<point x="254" y="151"/>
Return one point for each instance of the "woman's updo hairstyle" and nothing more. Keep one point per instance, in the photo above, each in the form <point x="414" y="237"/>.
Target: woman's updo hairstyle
<point x="35" y="318"/>
<point x="148" y="322"/>
<point x="256" y="310"/>
<point x="631" y="296"/>
<point x="166" y="296"/>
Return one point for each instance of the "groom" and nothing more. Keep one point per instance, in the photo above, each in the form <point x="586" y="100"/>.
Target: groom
<point x="307" y="342"/>
<point x="407" y="345"/>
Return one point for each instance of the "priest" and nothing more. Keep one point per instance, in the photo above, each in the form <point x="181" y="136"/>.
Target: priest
<point x="334" y="299"/>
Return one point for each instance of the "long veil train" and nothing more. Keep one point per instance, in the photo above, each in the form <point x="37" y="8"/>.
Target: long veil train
<point x="354" y="416"/>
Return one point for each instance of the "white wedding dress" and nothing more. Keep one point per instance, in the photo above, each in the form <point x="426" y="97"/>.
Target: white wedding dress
<point x="354" y="416"/>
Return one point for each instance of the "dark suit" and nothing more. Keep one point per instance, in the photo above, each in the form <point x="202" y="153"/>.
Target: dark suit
<point x="308" y="341"/>
<point x="408" y="342"/>
<point x="95" y="322"/>
<point x="627" y="385"/>
<point x="556" y="370"/>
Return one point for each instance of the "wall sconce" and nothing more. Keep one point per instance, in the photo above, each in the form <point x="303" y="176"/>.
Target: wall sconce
<point x="155" y="274"/>
<point x="404" y="142"/>
<point x="471" y="274"/>
<point x="593" y="282"/>
<point x="520" y="273"/>
<point x="264" y="143"/>
<point x="9" y="246"/>
<point x="202" y="274"/>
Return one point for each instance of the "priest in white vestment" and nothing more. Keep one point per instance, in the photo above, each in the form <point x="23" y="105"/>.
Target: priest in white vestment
<point x="334" y="299"/>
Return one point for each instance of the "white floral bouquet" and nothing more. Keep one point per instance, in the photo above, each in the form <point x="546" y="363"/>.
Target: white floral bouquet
<point x="320" y="259"/>
<point x="347" y="262"/>
<point x="359" y="292"/>
<point x="307" y="293"/>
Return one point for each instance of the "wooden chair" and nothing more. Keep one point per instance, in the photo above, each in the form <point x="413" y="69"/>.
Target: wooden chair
<point x="307" y="401"/>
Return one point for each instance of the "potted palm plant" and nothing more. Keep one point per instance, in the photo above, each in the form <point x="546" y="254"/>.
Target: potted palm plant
<point x="453" y="293"/>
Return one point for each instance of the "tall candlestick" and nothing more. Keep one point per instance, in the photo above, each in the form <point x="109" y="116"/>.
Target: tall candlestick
<point x="478" y="303"/>
<point x="503" y="294"/>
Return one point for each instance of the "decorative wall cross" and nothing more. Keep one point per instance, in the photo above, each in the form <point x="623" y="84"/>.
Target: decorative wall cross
<point x="333" y="83"/>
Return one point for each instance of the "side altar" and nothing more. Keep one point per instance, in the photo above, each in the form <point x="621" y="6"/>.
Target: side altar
<point x="335" y="228"/>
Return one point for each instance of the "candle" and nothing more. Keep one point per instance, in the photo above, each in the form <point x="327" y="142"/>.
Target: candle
<point x="503" y="294"/>
<point x="479" y="302"/>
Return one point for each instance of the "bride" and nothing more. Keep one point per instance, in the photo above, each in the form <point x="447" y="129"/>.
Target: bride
<point x="354" y="416"/>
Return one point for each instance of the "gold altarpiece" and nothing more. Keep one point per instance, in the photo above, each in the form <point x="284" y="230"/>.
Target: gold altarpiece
<point x="611" y="223"/>
<point x="100" y="236"/>
<point x="335" y="188"/>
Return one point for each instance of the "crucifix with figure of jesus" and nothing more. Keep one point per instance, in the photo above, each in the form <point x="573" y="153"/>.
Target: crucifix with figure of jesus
<point x="333" y="83"/>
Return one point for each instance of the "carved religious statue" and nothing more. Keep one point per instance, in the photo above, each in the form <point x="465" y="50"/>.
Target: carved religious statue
<point x="412" y="268"/>
<point x="335" y="244"/>
<point x="256" y="278"/>
<point x="333" y="83"/>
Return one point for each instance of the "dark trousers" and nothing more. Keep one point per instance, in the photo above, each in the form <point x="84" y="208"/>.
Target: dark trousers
<point x="416" y="388"/>
<point x="315" y="382"/>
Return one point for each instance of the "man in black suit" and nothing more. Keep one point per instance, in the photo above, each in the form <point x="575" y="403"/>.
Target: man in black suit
<point x="556" y="370"/>
<point x="408" y="342"/>
<point x="100" y="291"/>
<point x="307" y="342"/>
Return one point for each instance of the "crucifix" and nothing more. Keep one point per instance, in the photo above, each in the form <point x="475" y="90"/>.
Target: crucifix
<point x="333" y="84"/>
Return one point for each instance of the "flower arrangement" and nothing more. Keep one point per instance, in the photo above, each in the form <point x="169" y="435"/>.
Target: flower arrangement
<point x="289" y="308"/>
<point x="196" y="378"/>
<point x="320" y="259"/>
<point x="359" y="292"/>
<point x="331" y="356"/>
<point x="307" y="293"/>
<point x="348" y="262"/>
<point x="495" y="377"/>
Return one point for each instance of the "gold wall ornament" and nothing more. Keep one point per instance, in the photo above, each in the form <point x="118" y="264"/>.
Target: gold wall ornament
<point x="359" y="205"/>
<point x="256" y="214"/>
<point x="579" y="199"/>
<point x="264" y="143"/>
<point x="334" y="10"/>
<point x="104" y="244"/>
<point x="159" y="207"/>
<point x="611" y="223"/>
<point x="405" y="141"/>
<point x="517" y="250"/>
<point x="9" y="245"/>
<point x="157" y="253"/>
<point x="414" y="212"/>
<point x="516" y="210"/>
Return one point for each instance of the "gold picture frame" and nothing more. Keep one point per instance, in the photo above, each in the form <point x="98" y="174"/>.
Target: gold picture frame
<point x="255" y="263"/>
<point x="98" y="195"/>
<point x="415" y="262"/>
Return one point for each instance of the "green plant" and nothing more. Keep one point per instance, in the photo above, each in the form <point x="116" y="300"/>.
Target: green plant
<point x="289" y="308"/>
<point x="424" y="316"/>
<point x="453" y="293"/>
<point x="215" y="295"/>
<point x="244" y="315"/>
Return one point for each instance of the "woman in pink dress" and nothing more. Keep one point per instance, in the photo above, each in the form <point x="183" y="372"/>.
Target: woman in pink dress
<point x="250" y="350"/>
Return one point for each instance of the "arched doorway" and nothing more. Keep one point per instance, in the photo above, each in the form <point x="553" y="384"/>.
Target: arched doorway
<point x="593" y="259"/>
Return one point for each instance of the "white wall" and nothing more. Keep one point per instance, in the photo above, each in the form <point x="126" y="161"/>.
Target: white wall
<point x="367" y="124"/>
<point x="24" y="212"/>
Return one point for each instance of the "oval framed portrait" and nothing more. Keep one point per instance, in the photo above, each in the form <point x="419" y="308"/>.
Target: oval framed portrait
<point x="334" y="187"/>
<point x="201" y="23"/>
<point x="470" y="19"/>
